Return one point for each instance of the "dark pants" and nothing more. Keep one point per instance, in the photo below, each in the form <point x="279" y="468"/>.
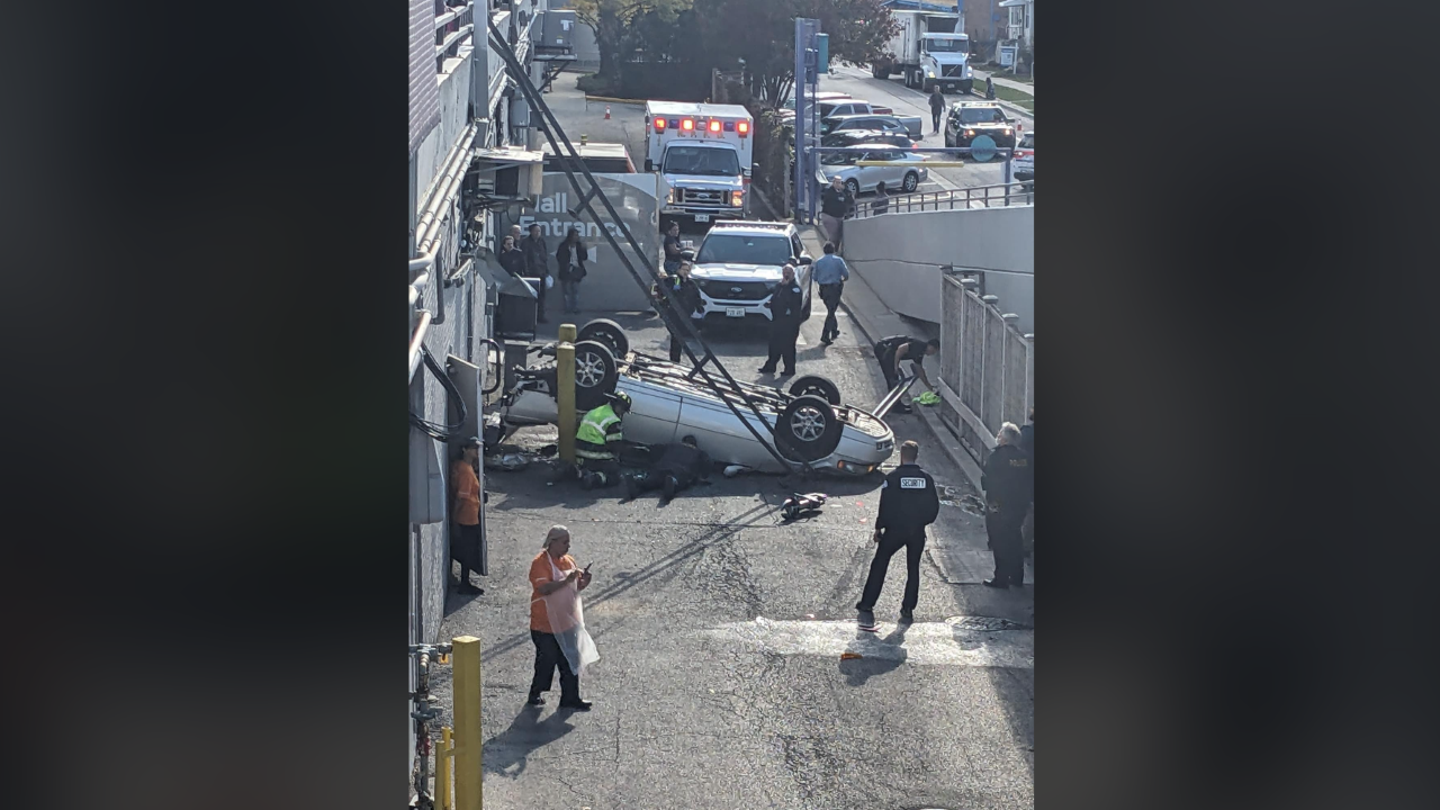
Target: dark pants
<point x="935" y="116"/>
<point x="890" y="543"/>
<point x="834" y="229"/>
<point x="571" y="290"/>
<point x="782" y="345"/>
<point x="677" y="346"/>
<point x="608" y="468"/>
<point x="886" y="356"/>
<point x="548" y="656"/>
<point x="830" y="294"/>
<point x="646" y="480"/>
<point x="465" y="549"/>
<point x="1003" y="528"/>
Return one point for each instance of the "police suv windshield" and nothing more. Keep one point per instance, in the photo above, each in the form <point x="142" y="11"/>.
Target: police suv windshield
<point x="700" y="160"/>
<point x="721" y="248"/>
<point x="981" y="115"/>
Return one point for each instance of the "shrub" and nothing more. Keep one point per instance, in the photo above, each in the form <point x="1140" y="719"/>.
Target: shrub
<point x="595" y="84"/>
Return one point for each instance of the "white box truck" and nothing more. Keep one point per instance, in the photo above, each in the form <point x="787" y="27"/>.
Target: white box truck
<point x="930" y="48"/>
<point x="703" y="153"/>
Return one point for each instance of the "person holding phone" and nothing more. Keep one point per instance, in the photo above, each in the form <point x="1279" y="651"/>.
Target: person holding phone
<point x="557" y="625"/>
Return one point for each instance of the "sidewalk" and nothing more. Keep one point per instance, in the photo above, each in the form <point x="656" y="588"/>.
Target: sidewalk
<point x="972" y="561"/>
<point x="1022" y="87"/>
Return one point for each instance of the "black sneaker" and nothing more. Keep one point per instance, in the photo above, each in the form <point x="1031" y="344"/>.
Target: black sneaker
<point x="764" y="370"/>
<point x="866" y="620"/>
<point x="907" y="617"/>
<point x="632" y="489"/>
<point x="535" y="700"/>
<point x="669" y="487"/>
<point x="577" y="705"/>
<point x="469" y="590"/>
<point x="789" y="372"/>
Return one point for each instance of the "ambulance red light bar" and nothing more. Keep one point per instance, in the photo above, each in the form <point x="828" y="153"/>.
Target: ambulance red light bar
<point x="714" y="125"/>
<point x="743" y="127"/>
<point x="687" y="124"/>
<point x="659" y="124"/>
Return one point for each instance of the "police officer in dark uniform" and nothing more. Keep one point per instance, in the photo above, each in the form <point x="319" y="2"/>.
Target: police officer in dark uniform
<point x="1009" y="485"/>
<point x="908" y="503"/>
<point x="682" y="290"/>
<point x="785" y="301"/>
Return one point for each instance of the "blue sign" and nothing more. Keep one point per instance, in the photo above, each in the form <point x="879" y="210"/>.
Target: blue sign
<point x="982" y="148"/>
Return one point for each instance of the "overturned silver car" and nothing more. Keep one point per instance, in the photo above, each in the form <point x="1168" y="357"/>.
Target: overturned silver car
<point x="812" y="428"/>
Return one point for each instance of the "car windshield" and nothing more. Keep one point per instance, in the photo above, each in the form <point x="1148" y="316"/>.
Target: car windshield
<point x="839" y="158"/>
<point x="700" y="160"/>
<point x="1028" y="141"/>
<point x="981" y="115"/>
<point x="947" y="45"/>
<point x="723" y="248"/>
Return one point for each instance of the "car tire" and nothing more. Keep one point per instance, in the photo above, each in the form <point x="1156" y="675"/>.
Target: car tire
<point x="596" y="373"/>
<point x="854" y="188"/>
<point x="911" y="182"/>
<point x="808" y="429"/>
<point x="814" y="385"/>
<point x="967" y="85"/>
<point x="608" y="332"/>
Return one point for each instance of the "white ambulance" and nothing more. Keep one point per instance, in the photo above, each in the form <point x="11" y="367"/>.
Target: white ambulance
<point x="704" y="153"/>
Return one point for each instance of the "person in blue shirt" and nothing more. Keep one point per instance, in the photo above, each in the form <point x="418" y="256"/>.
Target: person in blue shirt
<point x="831" y="274"/>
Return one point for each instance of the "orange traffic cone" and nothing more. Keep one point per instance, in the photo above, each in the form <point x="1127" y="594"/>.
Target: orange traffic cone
<point x="607" y="112"/>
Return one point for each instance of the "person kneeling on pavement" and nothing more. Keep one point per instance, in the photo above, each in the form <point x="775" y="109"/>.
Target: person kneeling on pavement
<point x="598" y="439"/>
<point x="892" y="350"/>
<point x="677" y="469"/>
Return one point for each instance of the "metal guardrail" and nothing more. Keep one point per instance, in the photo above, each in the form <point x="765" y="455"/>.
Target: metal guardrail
<point x="996" y="196"/>
<point x="452" y="27"/>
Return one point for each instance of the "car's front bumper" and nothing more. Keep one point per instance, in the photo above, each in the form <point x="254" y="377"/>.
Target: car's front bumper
<point x="702" y="212"/>
<point x="737" y="311"/>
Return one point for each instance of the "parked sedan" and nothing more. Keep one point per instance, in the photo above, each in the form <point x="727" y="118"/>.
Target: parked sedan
<point x="811" y="426"/>
<point x="1023" y="165"/>
<point x="908" y="125"/>
<point x="862" y="137"/>
<point x="906" y="172"/>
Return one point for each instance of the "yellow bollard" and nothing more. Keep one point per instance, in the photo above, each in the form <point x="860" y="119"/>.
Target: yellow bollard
<point x="565" y="396"/>
<point x="468" y="776"/>
<point x="442" y="770"/>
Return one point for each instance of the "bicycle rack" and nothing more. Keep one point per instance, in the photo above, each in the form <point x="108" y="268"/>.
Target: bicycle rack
<point x="677" y="321"/>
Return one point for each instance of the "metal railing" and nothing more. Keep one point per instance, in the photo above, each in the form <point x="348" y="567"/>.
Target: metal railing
<point x="996" y="196"/>
<point x="453" y="25"/>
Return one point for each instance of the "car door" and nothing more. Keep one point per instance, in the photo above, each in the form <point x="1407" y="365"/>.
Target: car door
<point x="892" y="175"/>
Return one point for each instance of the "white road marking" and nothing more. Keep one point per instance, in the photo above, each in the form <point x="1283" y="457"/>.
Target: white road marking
<point x="943" y="643"/>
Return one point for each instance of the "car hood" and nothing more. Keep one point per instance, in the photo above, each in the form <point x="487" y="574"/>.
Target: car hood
<point x="735" y="272"/>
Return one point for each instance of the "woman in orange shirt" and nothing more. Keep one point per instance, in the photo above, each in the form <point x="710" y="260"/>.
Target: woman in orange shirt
<point x="557" y="625"/>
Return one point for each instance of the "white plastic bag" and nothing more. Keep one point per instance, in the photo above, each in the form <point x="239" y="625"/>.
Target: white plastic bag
<point x="567" y="622"/>
<point x="549" y="282"/>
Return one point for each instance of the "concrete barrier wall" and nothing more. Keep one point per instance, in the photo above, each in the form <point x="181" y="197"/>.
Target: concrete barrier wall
<point x="899" y="256"/>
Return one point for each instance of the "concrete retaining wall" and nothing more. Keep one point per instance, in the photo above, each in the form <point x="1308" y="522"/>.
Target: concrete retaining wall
<point x="899" y="256"/>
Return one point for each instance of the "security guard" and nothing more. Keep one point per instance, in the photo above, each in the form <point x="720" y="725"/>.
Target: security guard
<point x="785" y="317"/>
<point x="598" y="437"/>
<point x="1009" y="484"/>
<point x="908" y="503"/>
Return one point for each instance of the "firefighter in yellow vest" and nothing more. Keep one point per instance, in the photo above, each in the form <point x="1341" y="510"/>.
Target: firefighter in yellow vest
<point x="597" y="440"/>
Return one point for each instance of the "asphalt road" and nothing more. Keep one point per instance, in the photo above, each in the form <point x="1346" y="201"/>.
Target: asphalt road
<point x="893" y="93"/>
<point x="721" y="630"/>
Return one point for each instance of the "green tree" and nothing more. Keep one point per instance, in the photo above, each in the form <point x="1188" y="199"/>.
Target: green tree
<point x="762" y="34"/>
<point x="610" y="20"/>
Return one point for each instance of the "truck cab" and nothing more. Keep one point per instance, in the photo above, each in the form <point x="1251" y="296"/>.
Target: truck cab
<point x="945" y="60"/>
<point x="704" y="154"/>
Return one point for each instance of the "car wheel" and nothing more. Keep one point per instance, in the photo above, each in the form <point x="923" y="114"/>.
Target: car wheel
<point x="808" y="429"/>
<point x="608" y="332"/>
<point x="911" y="182"/>
<point x="854" y="187"/>
<point x="813" y="385"/>
<point x="595" y="374"/>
